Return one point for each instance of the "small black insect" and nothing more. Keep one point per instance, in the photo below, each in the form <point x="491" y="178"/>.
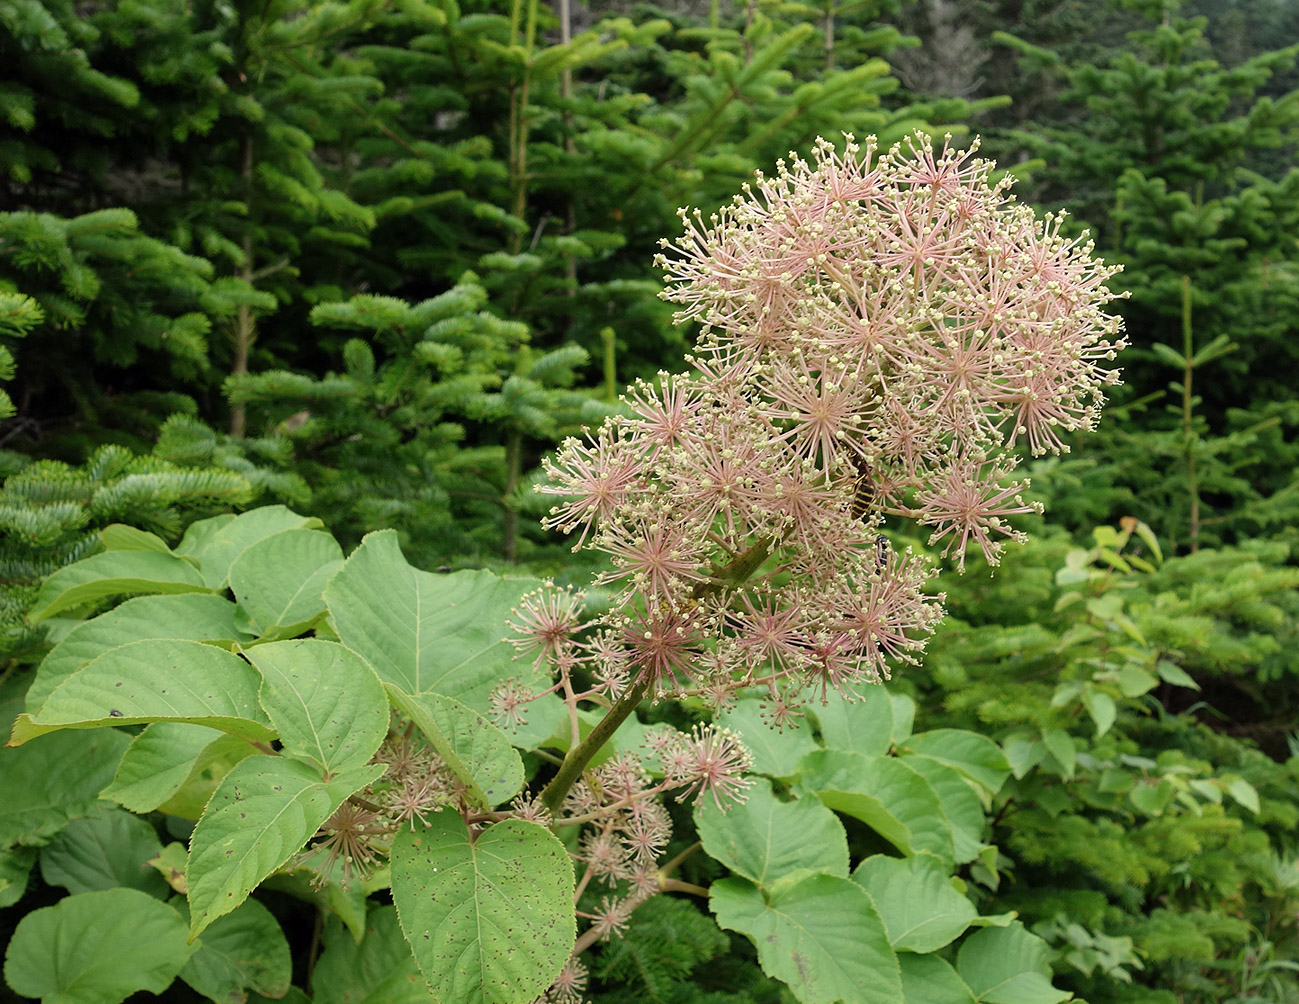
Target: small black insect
<point x="863" y="492"/>
<point x="114" y="713"/>
<point x="881" y="552"/>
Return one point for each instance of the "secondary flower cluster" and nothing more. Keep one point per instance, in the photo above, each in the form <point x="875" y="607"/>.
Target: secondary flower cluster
<point x="878" y="332"/>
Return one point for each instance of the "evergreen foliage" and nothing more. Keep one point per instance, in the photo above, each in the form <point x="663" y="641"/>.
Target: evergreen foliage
<point x="1164" y="842"/>
<point x="51" y="514"/>
<point x="1183" y="169"/>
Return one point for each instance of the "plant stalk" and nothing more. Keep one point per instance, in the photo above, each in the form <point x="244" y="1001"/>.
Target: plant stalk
<point x="1188" y="429"/>
<point x="580" y="756"/>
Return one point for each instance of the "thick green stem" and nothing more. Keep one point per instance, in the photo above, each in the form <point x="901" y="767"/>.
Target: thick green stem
<point x="579" y="757"/>
<point x="733" y="574"/>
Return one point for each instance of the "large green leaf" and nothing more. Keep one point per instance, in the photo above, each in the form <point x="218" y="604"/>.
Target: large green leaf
<point x="819" y="933"/>
<point x="490" y="919"/>
<point x="97" y="948"/>
<point x="115" y="573"/>
<point x="280" y="580"/>
<point x="927" y="979"/>
<point x="977" y="757"/>
<point x="475" y="750"/>
<point x="885" y="794"/>
<point x="219" y="550"/>
<point x="324" y="700"/>
<point x="775" y="753"/>
<point x="159" y="680"/>
<point x="162" y="758"/>
<point x="55" y="779"/>
<point x="262" y="814"/>
<point x="864" y="726"/>
<point x="201" y="532"/>
<point x="104" y="851"/>
<point x="424" y="632"/>
<point x="960" y="802"/>
<point x="193" y="617"/>
<point x="242" y="951"/>
<point x="1008" y="965"/>
<point x="916" y="900"/>
<point x="380" y="970"/>
<point x="764" y="839"/>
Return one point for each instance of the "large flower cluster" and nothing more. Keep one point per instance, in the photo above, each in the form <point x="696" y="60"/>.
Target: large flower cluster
<point x="879" y="332"/>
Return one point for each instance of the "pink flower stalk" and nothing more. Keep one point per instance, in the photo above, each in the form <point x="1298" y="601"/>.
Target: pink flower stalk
<point x="879" y="330"/>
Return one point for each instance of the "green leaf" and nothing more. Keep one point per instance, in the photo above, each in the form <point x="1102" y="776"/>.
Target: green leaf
<point x="1135" y="681"/>
<point x="894" y="800"/>
<point x="960" y="803"/>
<point x="379" y="970"/>
<point x="1176" y="675"/>
<point x="191" y="617"/>
<point x="927" y="979"/>
<point x="324" y="700"/>
<point x="1007" y="965"/>
<point x="120" y="537"/>
<point x="218" y="551"/>
<point x="1151" y="796"/>
<point x="864" y="726"/>
<point x="97" y="948"/>
<point x="170" y="863"/>
<point x="977" y="757"/>
<point x="242" y="951"/>
<point x="490" y="919"/>
<point x="1023" y="754"/>
<point x="15" y="867"/>
<point x="102" y="852"/>
<point x="262" y="814"/>
<point x="114" y="573"/>
<point x="424" y="632"/>
<point x="53" y="780"/>
<point x="1061" y="746"/>
<point x="162" y="758"/>
<point x="764" y="839"/>
<point x="158" y="680"/>
<point x="475" y="750"/>
<point x="280" y="580"/>
<point x="904" y="717"/>
<point x="1102" y="709"/>
<point x="774" y="753"/>
<point x="916" y="901"/>
<point x="819" y="933"/>
<point x="200" y="533"/>
<point x="1243" y="792"/>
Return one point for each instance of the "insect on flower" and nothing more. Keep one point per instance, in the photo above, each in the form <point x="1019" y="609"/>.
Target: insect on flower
<point x="863" y="492"/>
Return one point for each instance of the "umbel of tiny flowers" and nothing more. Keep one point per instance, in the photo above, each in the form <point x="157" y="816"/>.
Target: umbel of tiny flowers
<point x="879" y="332"/>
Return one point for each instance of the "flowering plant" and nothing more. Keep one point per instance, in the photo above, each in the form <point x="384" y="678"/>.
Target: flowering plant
<point x="879" y="331"/>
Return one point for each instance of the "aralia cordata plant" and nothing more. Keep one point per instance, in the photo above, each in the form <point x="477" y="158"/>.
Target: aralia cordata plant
<point x="880" y="331"/>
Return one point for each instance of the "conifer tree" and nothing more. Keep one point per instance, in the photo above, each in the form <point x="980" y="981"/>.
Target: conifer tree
<point x="1174" y="168"/>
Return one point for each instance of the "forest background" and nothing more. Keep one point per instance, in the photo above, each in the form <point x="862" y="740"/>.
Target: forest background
<point x="372" y="260"/>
